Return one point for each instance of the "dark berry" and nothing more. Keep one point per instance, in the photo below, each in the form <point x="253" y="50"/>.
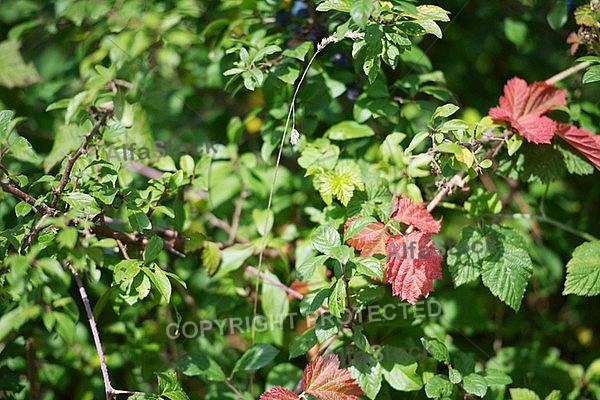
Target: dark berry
<point x="282" y="17"/>
<point x="299" y="9"/>
<point x="339" y="60"/>
<point x="353" y="91"/>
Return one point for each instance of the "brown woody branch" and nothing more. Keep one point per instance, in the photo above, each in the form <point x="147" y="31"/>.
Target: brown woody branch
<point x="72" y="158"/>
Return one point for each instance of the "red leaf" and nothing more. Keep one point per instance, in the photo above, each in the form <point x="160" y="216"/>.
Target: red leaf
<point x="523" y="107"/>
<point x="324" y="379"/>
<point x="413" y="263"/>
<point x="371" y="240"/>
<point x="586" y="142"/>
<point x="278" y="393"/>
<point x="416" y="214"/>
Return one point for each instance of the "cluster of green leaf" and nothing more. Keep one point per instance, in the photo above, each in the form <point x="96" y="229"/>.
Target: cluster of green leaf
<point x="268" y="227"/>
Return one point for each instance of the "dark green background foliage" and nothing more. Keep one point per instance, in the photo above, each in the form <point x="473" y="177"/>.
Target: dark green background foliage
<point x="176" y="238"/>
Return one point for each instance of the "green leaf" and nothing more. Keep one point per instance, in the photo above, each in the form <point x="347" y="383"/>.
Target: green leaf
<point x="14" y="72"/>
<point x="437" y="349"/>
<point x="438" y="386"/>
<point x="211" y="257"/>
<point x="153" y="249"/>
<point x="496" y="377"/>
<point x="374" y="49"/>
<point x="514" y="143"/>
<point x="357" y="225"/>
<point x="160" y="281"/>
<point x="337" y="5"/>
<point x="21" y="149"/>
<point x="417" y="140"/>
<point x="138" y="219"/>
<point x="444" y="111"/>
<point x="342" y="253"/>
<point x="557" y="16"/>
<point x="258" y="356"/>
<point x="126" y="270"/>
<point x="22" y="208"/>
<point x="65" y="326"/>
<point x="403" y="377"/>
<point x="592" y="74"/>
<point x="360" y="11"/>
<point x="325" y="238"/>
<point x="506" y="272"/>
<point x="299" y="52"/>
<point x="368" y="378"/>
<point x="465" y="262"/>
<point x="455" y="376"/>
<point x="326" y="327"/>
<point x="475" y="384"/>
<point x="261" y="218"/>
<point x="575" y="162"/>
<point x="233" y="257"/>
<point x="301" y="344"/>
<point x="483" y="202"/>
<point x="523" y="394"/>
<point x="583" y="270"/>
<point x="554" y="395"/>
<point x="274" y="302"/>
<point x="337" y="299"/>
<point x="306" y="271"/>
<point x="369" y="266"/>
<point x="340" y="183"/>
<point x="346" y="130"/>
<point x="516" y="31"/>
<point x="312" y="301"/>
<point x="169" y="386"/>
<point x="14" y="319"/>
<point x="201" y="365"/>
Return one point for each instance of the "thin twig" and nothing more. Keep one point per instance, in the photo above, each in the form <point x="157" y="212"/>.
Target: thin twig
<point x="108" y="389"/>
<point x="15" y="189"/>
<point x="235" y="219"/>
<point x="275" y="282"/>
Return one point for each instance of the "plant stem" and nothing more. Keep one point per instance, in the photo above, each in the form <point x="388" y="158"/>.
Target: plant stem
<point x="560" y="225"/>
<point x="567" y="72"/>
<point x="328" y="40"/>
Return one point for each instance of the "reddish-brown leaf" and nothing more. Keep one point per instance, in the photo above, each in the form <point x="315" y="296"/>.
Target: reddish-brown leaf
<point x="278" y="393"/>
<point x="583" y="140"/>
<point x="523" y="107"/>
<point x="324" y="379"/>
<point x="371" y="240"/>
<point x="405" y="211"/>
<point x="412" y="265"/>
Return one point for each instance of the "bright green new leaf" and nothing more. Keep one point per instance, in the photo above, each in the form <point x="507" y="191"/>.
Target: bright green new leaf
<point x="523" y="394"/>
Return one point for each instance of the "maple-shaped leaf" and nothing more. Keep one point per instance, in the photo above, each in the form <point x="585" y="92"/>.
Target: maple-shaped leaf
<point x="371" y="240"/>
<point x="324" y="379"/>
<point x="412" y="265"/>
<point x="405" y="211"/>
<point x="586" y="142"/>
<point x="278" y="393"/>
<point x="524" y="106"/>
